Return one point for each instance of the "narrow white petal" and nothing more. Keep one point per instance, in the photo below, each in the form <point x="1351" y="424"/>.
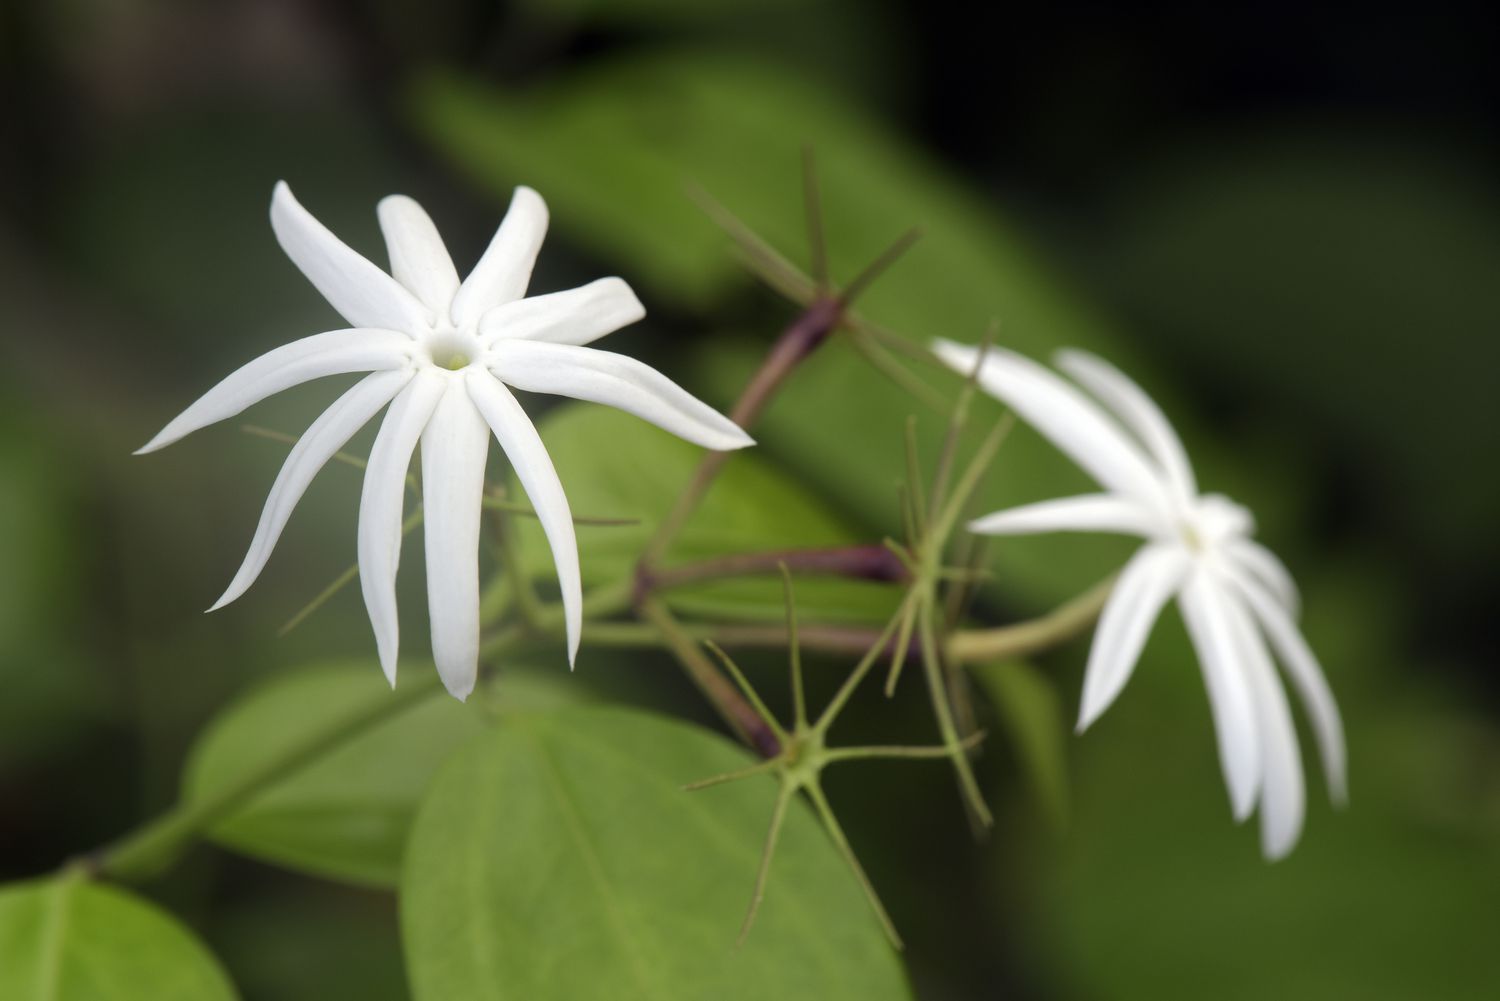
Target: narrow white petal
<point x="419" y="260"/>
<point x="1302" y="667"/>
<point x="362" y="293"/>
<point x="1264" y="566"/>
<point x="335" y="353"/>
<point x="1283" y="797"/>
<point x="1229" y="696"/>
<point x="528" y="457"/>
<point x="1147" y="582"/>
<point x="1064" y="416"/>
<point x="614" y="380"/>
<point x="575" y="316"/>
<point x="455" y="446"/>
<point x="1138" y="411"/>
<point x="380" y="506"/>
<point x="327" y="435"/>
<point x="1087" y="513"/>
<point x="504" y="271"/>
<point x="1218" y="519"/>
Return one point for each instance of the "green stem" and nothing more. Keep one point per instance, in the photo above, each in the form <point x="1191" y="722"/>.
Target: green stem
<point x="841" y="842"/>
<point x="938" y="689"/>
<point x="150" y="849"/>
<point x="763" y="871"/>
<point x="897" y="751"/>
<point x="1067" y="621"/>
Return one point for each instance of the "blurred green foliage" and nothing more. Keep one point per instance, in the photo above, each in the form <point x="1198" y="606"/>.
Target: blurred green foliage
<point x="1319" y="303"/>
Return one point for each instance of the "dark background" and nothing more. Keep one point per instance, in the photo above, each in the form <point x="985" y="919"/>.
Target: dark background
<point x="1291" y="211"/>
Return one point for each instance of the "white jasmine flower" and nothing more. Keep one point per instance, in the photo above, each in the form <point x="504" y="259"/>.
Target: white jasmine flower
<point x="442" y="353"/>
<point x="1237" y="599"/>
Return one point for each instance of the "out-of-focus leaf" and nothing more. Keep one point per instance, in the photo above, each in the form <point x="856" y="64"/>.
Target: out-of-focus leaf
<point x="302" y="940"/>
<point x="560" y="858"/>
<point x="193" y="180"/>
<point x="666" y="11"/>
<point x="1029" y="709"/>
<point x="614" y="150"/>
<point x="47" y="690"/>
<point x="1391" y="898"/>
<point x="346" y="816"/>
<point x="616" y="147"/>
<point x="617" y="466"/>
<point x="63" y="939"/>
<point x="1370" y="264"/>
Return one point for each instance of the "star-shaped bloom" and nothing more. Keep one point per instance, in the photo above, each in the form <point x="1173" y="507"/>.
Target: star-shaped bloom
<point x="1237" y="599"/>
<point x="444" y="355"/>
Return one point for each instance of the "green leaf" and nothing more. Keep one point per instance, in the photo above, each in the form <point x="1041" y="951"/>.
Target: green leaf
<point x="1027" y="703"/>
<point x="63" y="939"/>
<point x="559" y="858"/>
<point x="753" y="506"/>
<point x="346" y="816"/>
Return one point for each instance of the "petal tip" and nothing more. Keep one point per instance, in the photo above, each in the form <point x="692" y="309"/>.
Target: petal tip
<point x="388" y="666"/>
<point x="1242" y="809"/>
<point x="525" y="195"/>
<point x="1278" y="845"/>
<point x="1089" y="712"/>
<point x="281" y="194"/>
<point x="394" y="201"/>
<point x="951" y="353"/>
<point x="738" y="438"/>
<point x="1068" y="357"/>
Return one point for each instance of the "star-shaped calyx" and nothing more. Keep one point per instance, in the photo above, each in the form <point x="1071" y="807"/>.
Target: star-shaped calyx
<point x="804" y="754"/>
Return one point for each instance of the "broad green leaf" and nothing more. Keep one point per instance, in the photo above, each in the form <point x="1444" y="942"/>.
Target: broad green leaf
<point x="64" y="939"/>
<point x="1029" y="709"/>
<point x="752" y="507"/>
<point x="559" y="858"/>
<point x="346" y="816"/>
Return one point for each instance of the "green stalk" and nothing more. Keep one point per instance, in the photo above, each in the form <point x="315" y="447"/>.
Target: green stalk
<point x="973" y="646"/>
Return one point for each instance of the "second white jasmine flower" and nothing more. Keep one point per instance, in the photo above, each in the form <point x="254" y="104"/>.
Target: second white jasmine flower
<point x="1237" y="599"/>
<point x="442" y="353"/>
